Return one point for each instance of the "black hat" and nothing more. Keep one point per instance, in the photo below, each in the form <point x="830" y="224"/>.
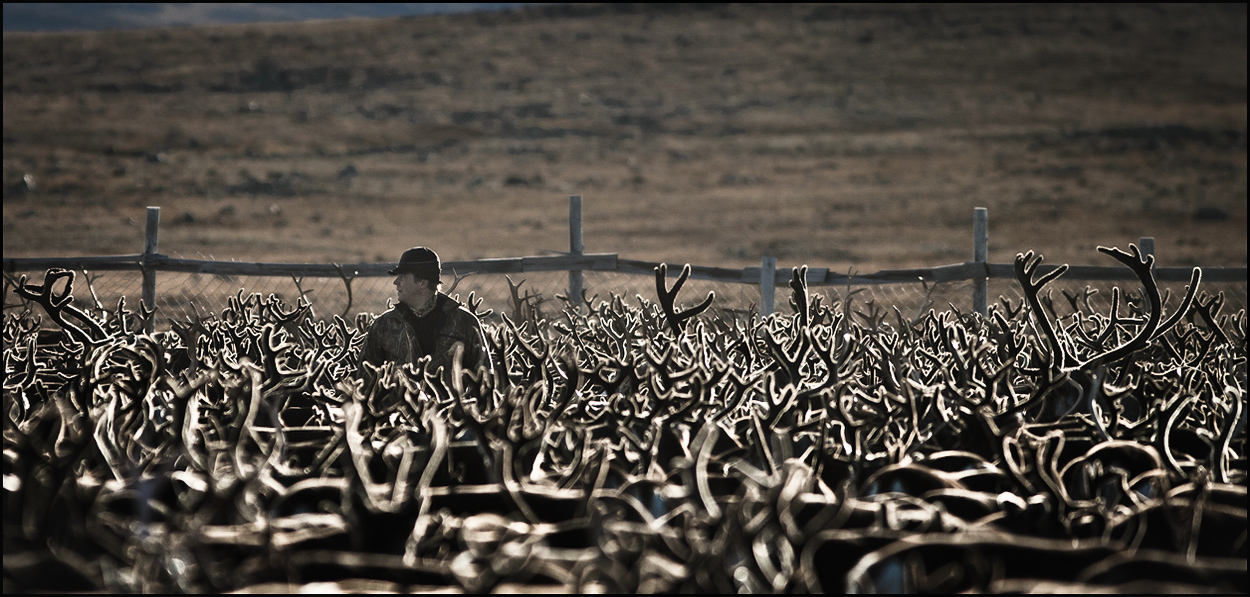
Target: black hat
<point x="420" y="262"/>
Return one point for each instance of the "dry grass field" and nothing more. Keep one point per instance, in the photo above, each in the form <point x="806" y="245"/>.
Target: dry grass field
<point x="839" y="136"/>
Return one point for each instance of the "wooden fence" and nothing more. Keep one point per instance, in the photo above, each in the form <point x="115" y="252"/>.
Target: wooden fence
<point x="767" y="276"/>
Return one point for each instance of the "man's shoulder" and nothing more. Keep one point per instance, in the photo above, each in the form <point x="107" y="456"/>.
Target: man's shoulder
<point x="389" y="317"/>
<point x="454" y="309"/>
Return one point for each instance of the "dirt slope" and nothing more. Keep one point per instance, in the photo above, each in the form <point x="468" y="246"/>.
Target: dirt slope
<point x="839" y="136"/>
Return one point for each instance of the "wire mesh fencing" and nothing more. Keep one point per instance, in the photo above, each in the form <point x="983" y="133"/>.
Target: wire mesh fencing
<point x="182" y="296"/>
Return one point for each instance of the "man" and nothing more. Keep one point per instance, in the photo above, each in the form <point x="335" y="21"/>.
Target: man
<point x="425" y="322"/>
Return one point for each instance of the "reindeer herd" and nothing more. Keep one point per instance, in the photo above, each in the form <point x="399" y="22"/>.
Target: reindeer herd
<point x="634" y="448"/>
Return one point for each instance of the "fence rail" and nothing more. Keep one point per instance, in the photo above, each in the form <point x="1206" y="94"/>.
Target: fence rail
<point x="766" y="278"/>
<point x="607" y="262"/>
<point x="594" y="262"/>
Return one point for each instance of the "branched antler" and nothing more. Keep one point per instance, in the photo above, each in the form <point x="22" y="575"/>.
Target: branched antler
<point x="299" y="286"/>
<point x="347" y="282"/>
<point x="1026" y="266"/>
<point x="455" y="281"/>
<point x="677" y="321"/>
<point x="524" y="308"/>
<point x="1077" y="300"/>
<point x="874" y="317"/>
<point x="91" y="288"/>
<point x="1209" y="310"/>
<point x="57" y="306"/>
<point x="1011" y="310"/>
<point x="1143" y="268"/>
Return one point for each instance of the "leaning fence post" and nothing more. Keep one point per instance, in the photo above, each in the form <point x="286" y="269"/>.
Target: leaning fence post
<point x="575" y="249"/>
<point x="980" y="254"/>
<point x="768" y="283"/>
<point x="149" y="273"/>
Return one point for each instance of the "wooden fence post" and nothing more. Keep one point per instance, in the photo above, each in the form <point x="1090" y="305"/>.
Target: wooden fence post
<point x="980" y="254"/>
<point x="1147" y="246"/>
<point x="576" y="248"/>
<point x="768" y="283"/>
<point x="149" y="272"/>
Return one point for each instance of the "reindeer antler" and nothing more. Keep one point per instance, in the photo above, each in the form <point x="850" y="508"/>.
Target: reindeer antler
<point x="677" y="321"/>
<point x="801" y="301"/>
<point x="1143" y="268"/>
<point x="524" y="308"/>
<point x="1026" y="266"/>
<point x="347" y="282"/>
<point x="58" y="305"/>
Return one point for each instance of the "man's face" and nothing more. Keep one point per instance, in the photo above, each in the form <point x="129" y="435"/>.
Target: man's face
<point x="412" y="292"/>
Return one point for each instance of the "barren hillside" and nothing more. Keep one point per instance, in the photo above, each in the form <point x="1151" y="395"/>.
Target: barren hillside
<point x="839" y="136"/>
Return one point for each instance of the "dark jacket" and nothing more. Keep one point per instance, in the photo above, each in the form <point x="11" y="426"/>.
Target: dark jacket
<point x="392" y="338"/>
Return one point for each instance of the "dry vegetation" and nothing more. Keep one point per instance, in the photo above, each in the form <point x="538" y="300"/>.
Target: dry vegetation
<point x="840" y="136"/>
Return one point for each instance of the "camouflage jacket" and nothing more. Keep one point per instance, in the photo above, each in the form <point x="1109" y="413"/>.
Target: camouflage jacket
<point x="392" y="338"/>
